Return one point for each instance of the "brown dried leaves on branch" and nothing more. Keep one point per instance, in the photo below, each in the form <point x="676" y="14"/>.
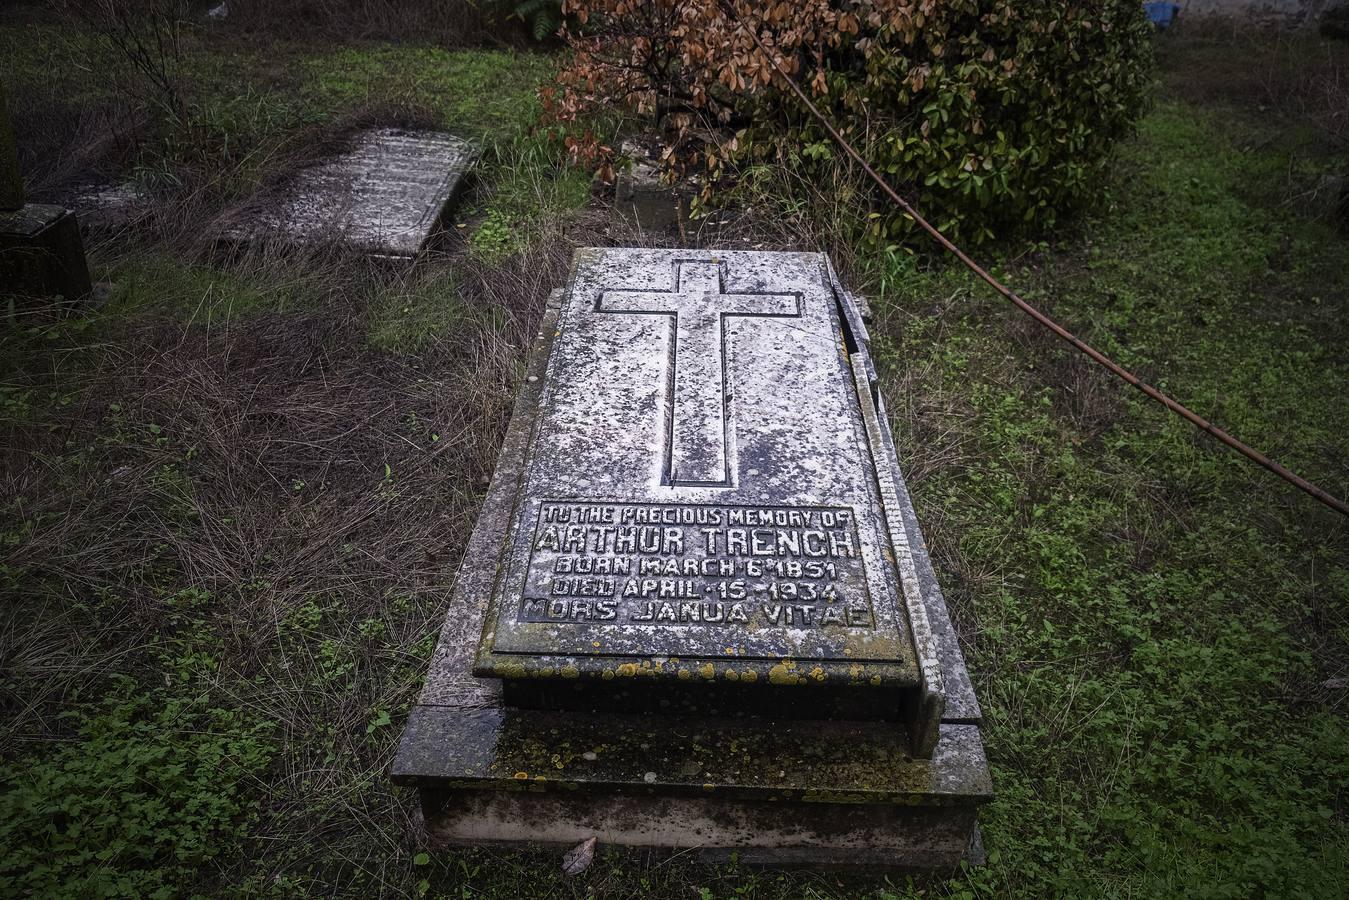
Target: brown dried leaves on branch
<point x="691" y="53"/>
<point x="692" y="67"/>
<point x="993" y="113"/>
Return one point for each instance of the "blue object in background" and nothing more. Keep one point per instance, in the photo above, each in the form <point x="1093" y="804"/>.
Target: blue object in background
<point x="1161" y="14"/>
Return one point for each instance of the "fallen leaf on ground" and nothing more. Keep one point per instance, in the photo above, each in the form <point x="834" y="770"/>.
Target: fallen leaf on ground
<point x="579" y="858"/>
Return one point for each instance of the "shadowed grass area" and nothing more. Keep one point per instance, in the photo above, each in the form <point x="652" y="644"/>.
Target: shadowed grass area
<point x="232" y="500"/>
<point x="248" y="109"/>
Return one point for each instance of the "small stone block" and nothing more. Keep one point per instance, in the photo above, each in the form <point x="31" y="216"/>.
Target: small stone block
<point x="42" y="254"/>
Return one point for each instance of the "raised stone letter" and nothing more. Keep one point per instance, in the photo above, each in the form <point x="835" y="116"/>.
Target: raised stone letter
<point x="698" y="397"/>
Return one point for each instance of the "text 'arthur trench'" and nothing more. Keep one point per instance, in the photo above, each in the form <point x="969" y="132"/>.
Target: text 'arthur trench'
<point x="694" y="564"/>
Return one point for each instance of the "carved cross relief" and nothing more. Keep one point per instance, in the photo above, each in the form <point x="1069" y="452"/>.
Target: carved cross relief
<point x="699" y="396"/>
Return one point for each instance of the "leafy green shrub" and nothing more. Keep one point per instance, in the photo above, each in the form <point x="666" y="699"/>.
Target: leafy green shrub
<point x="153" y="790"/>
<point x="990" y="114"/>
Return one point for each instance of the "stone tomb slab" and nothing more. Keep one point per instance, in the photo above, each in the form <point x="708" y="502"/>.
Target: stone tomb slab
<point x="384" y="197"/>
<point x="701" y="503"/>
<point x="503" y="756"/>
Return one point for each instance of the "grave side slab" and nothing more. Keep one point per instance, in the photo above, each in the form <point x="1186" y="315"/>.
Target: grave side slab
<point x="961" y="704"/>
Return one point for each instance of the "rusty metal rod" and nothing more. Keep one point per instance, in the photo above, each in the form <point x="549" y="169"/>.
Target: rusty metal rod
<point x="1179" y="409"/>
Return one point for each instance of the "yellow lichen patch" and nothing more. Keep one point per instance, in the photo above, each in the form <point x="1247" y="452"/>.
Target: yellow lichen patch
<point x="709" y="786"/>
<point x="749" y="675"/>
<point x="707" y="670"/>
<point x="628" y="670"/>
<point x="782" y="674"/>
<point x="817" y="673"/>
<point x="855" y="672"/>
<point x="571" y="672"/>
<point x="685" y="675"/>
<point x="521" y="776"/>
<point x="876" y="680"/>
<point x="607" y="674"/>
<point x="731" y="675"/>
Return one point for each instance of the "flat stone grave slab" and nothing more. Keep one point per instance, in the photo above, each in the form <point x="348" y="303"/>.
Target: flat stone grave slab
<point x="701" y="504"/>
<point x="697" y="581"/>
<point x="385" y="197"/>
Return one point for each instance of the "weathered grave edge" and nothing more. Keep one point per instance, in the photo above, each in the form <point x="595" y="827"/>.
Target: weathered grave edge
<point x="960" y="704"/>
<point x="501" y="809"/>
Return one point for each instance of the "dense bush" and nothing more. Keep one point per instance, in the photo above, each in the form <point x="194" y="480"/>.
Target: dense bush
<point x="988" y="113"/>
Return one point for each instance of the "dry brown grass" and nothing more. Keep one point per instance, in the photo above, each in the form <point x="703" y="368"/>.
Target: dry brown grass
<point x="315" y="490"/>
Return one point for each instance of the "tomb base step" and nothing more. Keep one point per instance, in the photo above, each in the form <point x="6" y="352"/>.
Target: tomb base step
<point x="509" y="749"/>
<point x="857" y="838"/>
<point x="781" y="792"/>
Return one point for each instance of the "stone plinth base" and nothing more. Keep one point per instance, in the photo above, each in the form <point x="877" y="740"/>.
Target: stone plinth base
<point x="837" y="794"/>
<point x="817" y="835"/>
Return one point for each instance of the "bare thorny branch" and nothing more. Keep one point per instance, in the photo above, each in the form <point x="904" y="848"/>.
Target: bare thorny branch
<point x="147" y="35"/>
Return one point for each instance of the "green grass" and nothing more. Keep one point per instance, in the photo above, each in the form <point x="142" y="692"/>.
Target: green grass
<point x="1155" y="617"/>
<point x="483" y="94"/>
<point x="531" y="194"/>
<point x="159" y="283"/>
<point x="245" y="111"/>
<point x="232" y="500"/>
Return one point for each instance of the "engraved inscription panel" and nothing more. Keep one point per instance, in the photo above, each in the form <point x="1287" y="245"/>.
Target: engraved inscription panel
<point x="708" y="565"/>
